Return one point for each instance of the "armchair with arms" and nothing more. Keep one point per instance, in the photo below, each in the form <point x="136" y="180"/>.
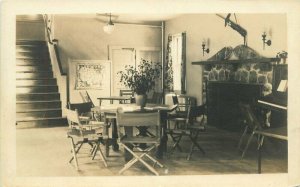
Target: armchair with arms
<point x="81" y="133"/>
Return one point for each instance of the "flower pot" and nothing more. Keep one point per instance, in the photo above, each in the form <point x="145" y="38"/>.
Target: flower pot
<point x="140" y="100"/>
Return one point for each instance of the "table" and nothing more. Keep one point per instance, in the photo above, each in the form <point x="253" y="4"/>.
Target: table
<point x="111" y="111"/>
<point x="113" y="98"/>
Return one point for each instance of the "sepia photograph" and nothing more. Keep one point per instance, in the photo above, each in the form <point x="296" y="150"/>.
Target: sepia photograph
<point x="121" y="96"/>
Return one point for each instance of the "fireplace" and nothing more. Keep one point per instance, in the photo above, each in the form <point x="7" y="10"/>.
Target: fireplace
<point x="223" y="99"/>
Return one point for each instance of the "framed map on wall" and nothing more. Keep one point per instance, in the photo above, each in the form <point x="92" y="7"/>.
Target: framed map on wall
<point x="92" y="75"/>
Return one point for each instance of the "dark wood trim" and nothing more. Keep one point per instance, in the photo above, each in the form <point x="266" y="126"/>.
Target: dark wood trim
<point x="244" y="61"/>
<point x="58" y="59"/>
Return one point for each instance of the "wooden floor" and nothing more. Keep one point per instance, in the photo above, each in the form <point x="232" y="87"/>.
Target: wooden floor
<point x="46" y="151"/>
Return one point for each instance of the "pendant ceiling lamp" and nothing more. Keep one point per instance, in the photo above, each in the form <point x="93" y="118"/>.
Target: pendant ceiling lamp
<point x="109" y="27"/>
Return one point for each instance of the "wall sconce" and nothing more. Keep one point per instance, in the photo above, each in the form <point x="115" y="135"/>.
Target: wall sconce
<point x="265" y="41"/>
<point x="203" y="46"/>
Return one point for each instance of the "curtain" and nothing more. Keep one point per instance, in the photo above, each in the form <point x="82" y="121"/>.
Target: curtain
<point x="168" y="77"/>
<point x="183" y="63"/>
<point x="175" y="66"/>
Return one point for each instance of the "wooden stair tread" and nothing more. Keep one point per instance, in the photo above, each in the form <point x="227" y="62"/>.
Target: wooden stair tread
<point x="32" y="86"/>
<point x="39" y="110"/>
<point x="32" y="102"/>
<point x="37" y="93"/>
<point x="39" y="119"/>
<point x="40" y="78"/>
<point x="40" y="71"/>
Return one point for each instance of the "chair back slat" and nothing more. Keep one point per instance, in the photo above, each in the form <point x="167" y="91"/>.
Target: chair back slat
<point x="126" y="93"/>
<point x="129" y="122"/>
<point x="81" y="107"/>
<point x="72" y="116"/>
<point x="182" y="106"/>
<point x="86" y="98"/>
<point x="175" y="100"/>
<point x="138" y="119"/>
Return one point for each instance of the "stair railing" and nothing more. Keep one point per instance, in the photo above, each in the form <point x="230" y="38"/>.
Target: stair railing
<point x="48" y="27"/>
<point x="61" y="77"/>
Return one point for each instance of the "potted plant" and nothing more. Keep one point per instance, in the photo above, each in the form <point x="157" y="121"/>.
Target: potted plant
<point x="140" y="79"/>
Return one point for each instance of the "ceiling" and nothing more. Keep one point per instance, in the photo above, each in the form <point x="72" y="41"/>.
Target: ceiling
<point x="154" y="19"/>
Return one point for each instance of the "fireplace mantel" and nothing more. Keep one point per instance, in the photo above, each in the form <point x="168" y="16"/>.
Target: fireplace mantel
<point x="240" y="61"/>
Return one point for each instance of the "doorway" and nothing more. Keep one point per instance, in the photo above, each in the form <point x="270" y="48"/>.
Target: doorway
<point x="121" y="56"/>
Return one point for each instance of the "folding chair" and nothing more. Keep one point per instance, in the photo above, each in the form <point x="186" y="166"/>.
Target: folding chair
<point x="179" y="117"/>
<point x="86" y="97"/>
<point x="190" y="128"/>
<point x="80" y="134"/>
<point x="130" y="139"/>
<point x="252" y="123"/>
<point x="84" y="110"/>
<point x="196" y="127"/>
<point x="129" y="93"/>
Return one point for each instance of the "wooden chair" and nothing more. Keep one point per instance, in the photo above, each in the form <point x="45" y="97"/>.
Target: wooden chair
<point x="86" y="98"/>
<point x="131" y="141"/>
<point x="84" y="110"/>
<point x="129" y="93"/>
<point x="190" y="128"/>
<point x="182" y="107"/>
<point x="180" y="114"/>
<point x="252" y="123"/>
<point x="80" y="134"/>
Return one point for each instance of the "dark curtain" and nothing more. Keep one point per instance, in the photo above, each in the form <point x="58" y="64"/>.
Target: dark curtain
<point x="168" y="77"/>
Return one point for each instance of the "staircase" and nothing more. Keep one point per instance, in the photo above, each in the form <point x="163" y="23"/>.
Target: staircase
<point x="38" y="99"/>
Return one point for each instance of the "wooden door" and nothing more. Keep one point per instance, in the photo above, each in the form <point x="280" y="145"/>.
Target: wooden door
<point x="121" y="56"/>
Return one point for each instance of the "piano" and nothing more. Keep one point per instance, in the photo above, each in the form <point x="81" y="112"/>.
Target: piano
<point x="274" y="102"/>
<point x="277" y="103"/>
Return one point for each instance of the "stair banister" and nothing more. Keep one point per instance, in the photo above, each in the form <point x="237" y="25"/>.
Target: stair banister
<point x="55" y="61"/>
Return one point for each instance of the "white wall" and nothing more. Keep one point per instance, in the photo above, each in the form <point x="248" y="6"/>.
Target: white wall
<point x="200" y="26"/>
<point x="84" y="39"/>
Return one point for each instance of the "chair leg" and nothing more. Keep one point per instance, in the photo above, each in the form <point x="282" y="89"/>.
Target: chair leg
<point x="153" y="159"/>
<point x="260" y="144"/>
<point x="74" y="153"/>
<point x="242" y="137"/>
<point x="100" y="153"/>
<point x="93" y="150"/>
<point x="139" y="158"/>
<point x="106" y="140"/>
<point x="176" y="144"/>
<point x="176" y="141"/>
<point x="260" y="141"/>
<point x="247" y="145"/>
<point x="131" y="162"/>
<point x="76" y="150"/>
<point x="191" y="151"/>
<point x="195" y="143"/>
